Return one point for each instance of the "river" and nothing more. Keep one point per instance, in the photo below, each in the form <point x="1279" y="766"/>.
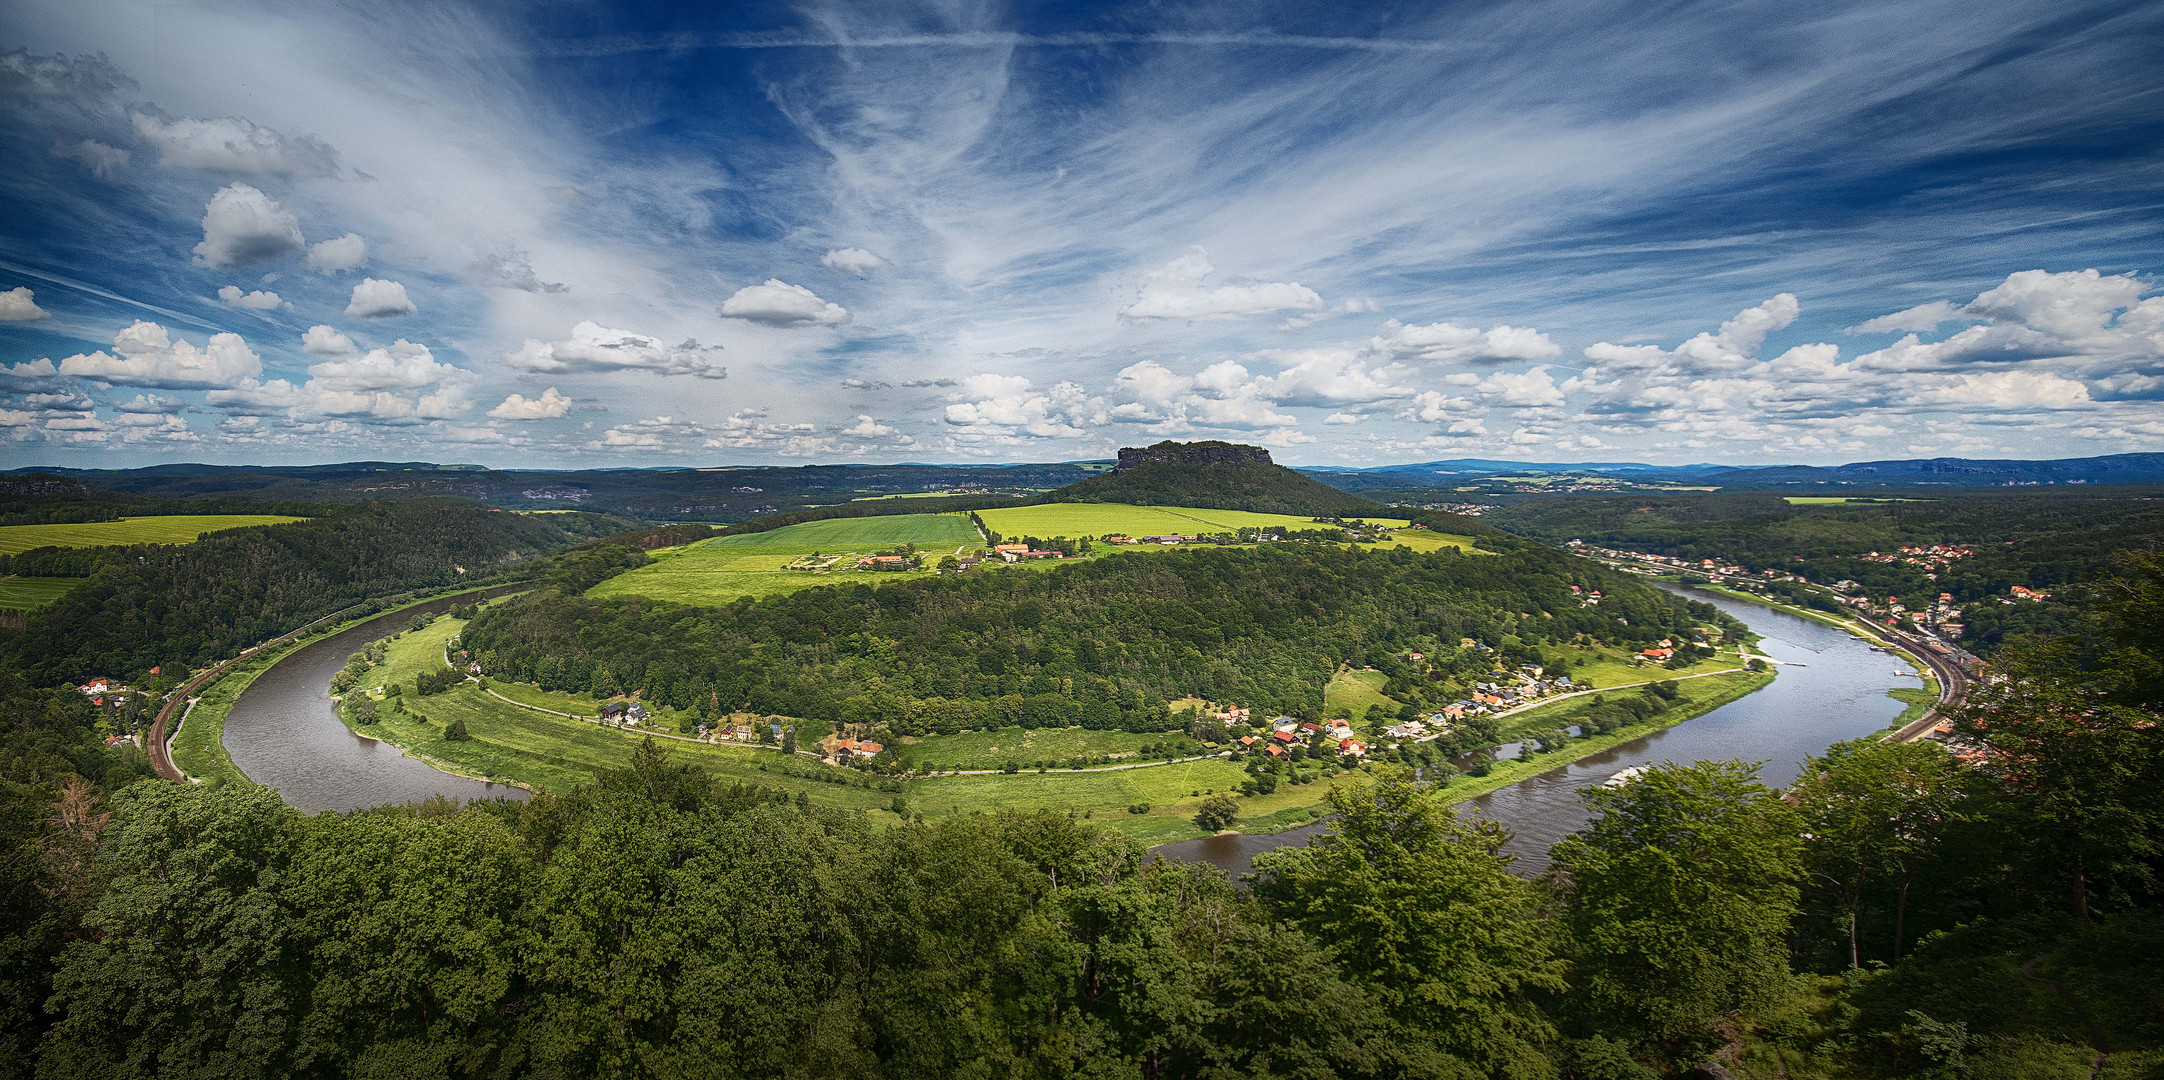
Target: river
<point x="284" y="732"/>
<point x="1832" y="686"/>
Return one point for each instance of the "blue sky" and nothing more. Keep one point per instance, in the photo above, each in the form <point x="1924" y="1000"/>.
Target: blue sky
<point x="596" y="234"/>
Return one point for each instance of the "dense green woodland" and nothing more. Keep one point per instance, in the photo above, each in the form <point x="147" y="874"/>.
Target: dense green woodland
<point x="1103" y="643"/>
<point x="180" y="605"/>
<point x="2047" y="540"/>
<point x="1255" y="487"/>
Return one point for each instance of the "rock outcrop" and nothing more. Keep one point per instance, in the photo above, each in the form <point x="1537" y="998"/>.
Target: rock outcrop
<point x="1194" y="453"/>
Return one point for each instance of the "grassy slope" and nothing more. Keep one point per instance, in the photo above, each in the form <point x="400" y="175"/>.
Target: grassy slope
<point x="723" y="569"/>
<point x="24" y="593"/>
<point x="176" y="529"/>
<point x="1355" y="691"/>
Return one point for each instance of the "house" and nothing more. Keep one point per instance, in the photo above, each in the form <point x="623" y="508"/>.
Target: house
<point x="1309" y="729"/>
<point x="888" y="562"/>
<point x="1277" y="751"/>
<point x="1010" y="549"/>
<point x="99" y="686"/>
<point x="1659" y="654"/>
<point x="1353" y="747"/>
<point x="1284" y="737"/>
<point x="1166" y="539"/>
<point x="969" y="562"/>
<point x="1248" y="741"/>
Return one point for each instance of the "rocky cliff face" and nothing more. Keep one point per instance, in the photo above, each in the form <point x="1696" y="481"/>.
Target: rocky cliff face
<point x="1195" y="453"/>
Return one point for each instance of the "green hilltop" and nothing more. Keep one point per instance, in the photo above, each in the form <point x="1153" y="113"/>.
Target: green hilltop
<point x="1211" y="475"/>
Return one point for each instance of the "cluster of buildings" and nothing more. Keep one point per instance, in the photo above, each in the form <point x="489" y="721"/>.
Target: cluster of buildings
<point x="625" y="712"/>
<point x="1166" y="539"/>
<point x="847" y="750"/>
<point x="1931" y="557"/>
<point x="1488" y="697"/>
<point x="1334" y="736"/>
<point x="1014" y="553"/>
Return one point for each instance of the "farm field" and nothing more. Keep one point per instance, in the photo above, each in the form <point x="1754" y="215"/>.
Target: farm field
<point x="24" y="593"/>
<point x="1174" y="789"/>
<point x="1025" y="746"/>
<point x="176" y="529"/>
<point x="1076" y="520"/>
<point x="750" y="565"/>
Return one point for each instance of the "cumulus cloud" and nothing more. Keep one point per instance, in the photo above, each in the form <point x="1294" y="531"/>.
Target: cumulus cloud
<point x="1176" y="291"/>
<point x="145" y="355"/>
<point x="2069" y="305"/>
<point x="549" y="405"/>
<point x="1223" y="395"/>
<point x="594" y="347"/>
<point x="1010" y="405"/>
<point x="102" y="160"/>
<point x="867" y="428"/>
<point x="778" y="303"/>
<point x="19" y="304"/>
<point x="377" y="299"/>
<point x="321" y="340"/>
<point x="381" y="386"/>
<point x="232" y="145"/>
<point x="259" y="300"/>
<point x="851" y="261"/>
<point x="1449" y="343"/>
<point x="513" y="269"/>
<point x="347" y="252"/>
<point x="152" y="404"/>
<point x="659" y="433"/>
<point x="242" y="225"/>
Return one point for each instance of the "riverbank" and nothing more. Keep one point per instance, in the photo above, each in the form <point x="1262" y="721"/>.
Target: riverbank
<point x="198" y="744"/>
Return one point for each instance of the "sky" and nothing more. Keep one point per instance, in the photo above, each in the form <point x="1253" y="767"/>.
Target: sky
<point x="586" y="235"/>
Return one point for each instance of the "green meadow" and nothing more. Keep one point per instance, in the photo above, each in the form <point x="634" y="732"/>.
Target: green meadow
<point x="175" y="529"/>
<point x="23" y="593"/>
<point x="1028" y="747"/>
<point x="727" y="568"/>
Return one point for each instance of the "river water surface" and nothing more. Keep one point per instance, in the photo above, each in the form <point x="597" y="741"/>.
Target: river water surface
<point x="1832" y="686"/>
<point x="284" y="732"/>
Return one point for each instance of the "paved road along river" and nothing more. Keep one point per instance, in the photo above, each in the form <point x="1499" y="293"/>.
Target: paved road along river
<point x="1832" y="686"/>
<point x="284" y="733"/>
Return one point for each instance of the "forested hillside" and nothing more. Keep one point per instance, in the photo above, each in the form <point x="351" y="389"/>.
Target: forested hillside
<point x="2053" y="541"/>
<point x="1101" y="643"/>
<point x="180" y="605"/>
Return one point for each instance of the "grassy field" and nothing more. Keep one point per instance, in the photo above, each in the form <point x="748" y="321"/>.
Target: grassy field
<point x="1077" y="520"/>
<point x="177" y="529"/>
<point x="199" y="747"/>
<point x="725" y="568"/>
<point x="1354" y="691"/>
<point x="1170" y="790"/>
<point x="994" y="749"/>
<point x="24" y="593"/>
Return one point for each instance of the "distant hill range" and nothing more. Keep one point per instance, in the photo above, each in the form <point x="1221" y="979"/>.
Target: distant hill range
<point x="1211" y="476"/>
<point x="1915" y="472"/>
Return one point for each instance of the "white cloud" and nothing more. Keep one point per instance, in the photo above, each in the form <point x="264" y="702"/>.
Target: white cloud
<point x="1922" y="318"/>
<point x="2020" y="391"/>
<point x="233" y="145"/>
<point x="1328" y="377"/>
<point x="402" y="365"/>
<point x="513" y="269"/>
<point x="1446" y="342"/>
<point x="549" y="405"/>
<point x="594" y="347"/>
<point x="1222" y="395"/>
<point x="259" y="300"/>
<point x="149" y="357"/>
<point x="851" y="261"/>
<point x="19" y="304"/>
<point x="2068" y="305"/>
<point x="867" y="428"/>
<point x="1356" y="306"/>
<point x="778" y="303"/>
<point x="242" y="225"/>
<point x="377" y="299"/>
<point x="321" y="340"/>
<point x="347" y="252"/>
<point x="102" y="160"/>
<point x="1175" y="291"/>
<point x="1010" y="405"/>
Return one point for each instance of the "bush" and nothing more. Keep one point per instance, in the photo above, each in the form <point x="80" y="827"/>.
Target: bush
<point x="1139" y="808"/>
<point x="457" y="731"/>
